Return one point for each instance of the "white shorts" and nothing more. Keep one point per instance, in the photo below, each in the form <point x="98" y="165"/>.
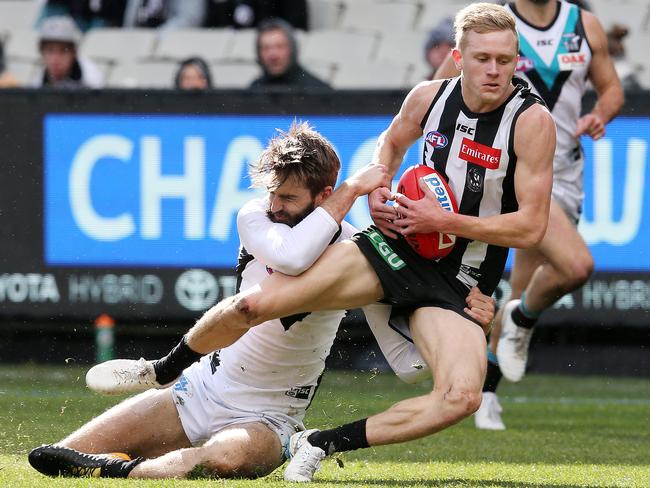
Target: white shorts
<point x="568" y="188"/>
<point x="203" y="411"/>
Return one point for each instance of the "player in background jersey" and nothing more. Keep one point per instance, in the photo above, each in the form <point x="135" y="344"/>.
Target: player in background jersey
<point x="239" y="407"/>
<point x="495" y="143"/>
<point x="561" y="48"/>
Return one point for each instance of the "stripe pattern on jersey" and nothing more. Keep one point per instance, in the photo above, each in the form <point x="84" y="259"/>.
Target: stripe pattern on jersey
<point x="481" y="187"/>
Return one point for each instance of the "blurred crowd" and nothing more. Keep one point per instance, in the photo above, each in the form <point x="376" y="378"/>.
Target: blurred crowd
<point x="62" y="23"/>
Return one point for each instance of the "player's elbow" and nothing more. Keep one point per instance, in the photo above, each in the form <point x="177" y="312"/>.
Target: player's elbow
<point x="531" y="236"/>
<point x="291" y="266"/>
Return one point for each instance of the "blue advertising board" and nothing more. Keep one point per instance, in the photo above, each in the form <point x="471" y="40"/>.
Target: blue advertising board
<point x="164" y="191"/>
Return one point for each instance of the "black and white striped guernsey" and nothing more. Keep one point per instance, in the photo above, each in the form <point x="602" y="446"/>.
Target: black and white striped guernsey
<point x="474" y="152"/>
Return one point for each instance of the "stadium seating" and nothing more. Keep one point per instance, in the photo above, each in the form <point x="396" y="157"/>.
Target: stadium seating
<point x="23" y="71"/>
<point x="209" y="44"/>
<point x="119" y="45"/>
<point x="242" y="47"/>
<point x="370" y="75"/>
<point x="18" y="14"/>
<point x="22" y="45"/>
<point x="338" y="46"/>
<point x="138" y="74"/>
<point x="234" y="75"/>
<point x="368" y="15"/>
<point x="344" y="33"/>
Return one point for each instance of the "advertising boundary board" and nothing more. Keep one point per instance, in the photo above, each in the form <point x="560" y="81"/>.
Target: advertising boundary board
<point x="41" y="283"/>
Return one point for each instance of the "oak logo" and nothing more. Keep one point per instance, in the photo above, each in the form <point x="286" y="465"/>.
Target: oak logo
<point x="571" y="61"/>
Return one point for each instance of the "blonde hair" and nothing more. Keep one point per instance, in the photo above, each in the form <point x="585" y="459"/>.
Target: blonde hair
<point x="483" y="17"/>
<point x="301" y="153"/>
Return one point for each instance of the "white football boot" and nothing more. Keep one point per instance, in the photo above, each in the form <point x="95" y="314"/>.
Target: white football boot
<point x="512" y="349"/>
<point x="305" y="458"/>
<point x="488" y="416"/>
<point x="120" y="376"/>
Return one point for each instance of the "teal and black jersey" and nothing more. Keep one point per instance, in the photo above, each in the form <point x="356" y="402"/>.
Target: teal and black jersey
<point x="555" y="61"/>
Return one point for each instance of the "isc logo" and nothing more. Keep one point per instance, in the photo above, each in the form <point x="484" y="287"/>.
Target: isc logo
<point x="465" y="129"/>
<point x="436" y="185"/>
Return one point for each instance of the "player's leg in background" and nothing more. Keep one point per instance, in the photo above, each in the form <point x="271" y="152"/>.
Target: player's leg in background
<point x="567" y="266"/>
<point x="243" y="451"/>
<point x="526" y="261"/>
<point x="454" y="348"/>
<point x="569" y="263"/>
<point x="145" y="425"/>
<point x="400" y="353"/>
<point x="342" y="278"/>
<point x="488" y="416"/>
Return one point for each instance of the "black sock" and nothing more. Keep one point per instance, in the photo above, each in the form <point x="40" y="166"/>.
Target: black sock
<point x="171" y="366"/>
<point x="492" y="377"/>
<point x="522" y="320"/>
<point x="119" y="468"/>
<point x="347" y="437"/>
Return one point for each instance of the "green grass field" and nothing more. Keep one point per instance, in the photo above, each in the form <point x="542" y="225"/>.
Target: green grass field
<point x="562" y="432"/>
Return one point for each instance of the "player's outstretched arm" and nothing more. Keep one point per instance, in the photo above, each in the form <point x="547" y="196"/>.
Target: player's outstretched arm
<point x="605" y="80"/>
<point x="393" y="143"/>
<point x="362" y="182"/>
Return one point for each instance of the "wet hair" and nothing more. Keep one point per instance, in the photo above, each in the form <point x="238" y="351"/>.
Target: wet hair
<point x="483" y="17"/>
<point x="302" y="153"/>
<point x="200" y="64"/>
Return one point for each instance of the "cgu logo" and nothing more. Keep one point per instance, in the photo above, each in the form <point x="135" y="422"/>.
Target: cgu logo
<point x="603" y="227"/>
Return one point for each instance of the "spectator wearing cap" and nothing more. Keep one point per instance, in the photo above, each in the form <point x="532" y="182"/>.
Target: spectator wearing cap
<point x="193" y="74"/>
<point x="277" y="55"/>
<point x="440" y="42"/>
<point x="62" y="68"/>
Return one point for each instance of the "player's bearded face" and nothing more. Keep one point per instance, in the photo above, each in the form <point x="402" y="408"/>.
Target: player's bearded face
<point x="290" y="218"/>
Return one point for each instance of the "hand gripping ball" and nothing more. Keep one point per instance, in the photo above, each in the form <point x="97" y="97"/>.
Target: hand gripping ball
<point x="434" y="245"/>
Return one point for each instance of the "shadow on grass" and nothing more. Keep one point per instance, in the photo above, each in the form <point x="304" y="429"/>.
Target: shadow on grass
<point x="450" y="482"/>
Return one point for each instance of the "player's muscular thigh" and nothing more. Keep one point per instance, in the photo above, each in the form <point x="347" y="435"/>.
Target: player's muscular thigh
<point x="341" y="278"/>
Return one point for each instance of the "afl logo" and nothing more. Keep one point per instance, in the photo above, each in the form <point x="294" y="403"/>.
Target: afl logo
<point x="436" y="140"/>
<point x="525" y="64"/>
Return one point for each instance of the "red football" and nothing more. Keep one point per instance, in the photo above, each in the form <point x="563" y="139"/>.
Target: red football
<point x="434" y="245"/>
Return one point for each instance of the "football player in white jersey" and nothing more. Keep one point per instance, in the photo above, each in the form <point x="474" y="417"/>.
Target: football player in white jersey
<point x="562" y="47"/>
<point x="232" y="413"/>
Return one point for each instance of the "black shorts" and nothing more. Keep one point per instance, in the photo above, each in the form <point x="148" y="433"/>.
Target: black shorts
<point x="409" y="280"/>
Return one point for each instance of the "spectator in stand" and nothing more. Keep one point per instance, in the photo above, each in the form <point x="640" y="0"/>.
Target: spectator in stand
<point x="87" y="13"/>
<point x="7" y="80"/>
<point x="245" y="14"/>
<point x="441" y="41"/>
<point x="165" y="14"/>
<point x="625" y="69"/>
<point x="62" y="68"/>
<point x="277" y="54"/>
<point x="193" y="74"/>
